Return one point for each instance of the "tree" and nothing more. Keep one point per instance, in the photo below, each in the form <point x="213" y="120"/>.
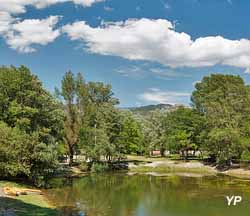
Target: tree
<point x="73" y="92"/>
<point x="89" y="125"/>
<point x="224" y="102"/>
<point x="131" y="136"/>
<point x="182" y="130"/>
<point x="31" y="124"/>
<point x="149" y="135"/>
<point x="154" y="131"/>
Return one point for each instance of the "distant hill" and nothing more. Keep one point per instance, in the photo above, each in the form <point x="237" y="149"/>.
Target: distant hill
<point x="144" y="110"/>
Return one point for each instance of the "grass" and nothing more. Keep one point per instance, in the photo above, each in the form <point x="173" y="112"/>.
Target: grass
<point x="144" y="159"/>
<point x="12" y="184"/>
<point x="22" y="208"/>
<point x="26" y="205"/>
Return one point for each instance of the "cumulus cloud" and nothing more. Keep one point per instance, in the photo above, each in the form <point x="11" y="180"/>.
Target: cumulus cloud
<point x="22" y="35"/>
<point x="247" y="71"/>
<point x="157" y="40"/>
<point x="5" y="21"/>
<point x="155" y="95"/>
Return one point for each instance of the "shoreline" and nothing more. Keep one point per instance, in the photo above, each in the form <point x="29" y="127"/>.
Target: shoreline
<point x="30" y="203"/>
<point x="166" y="166"/>
<point x="137" y="165"/>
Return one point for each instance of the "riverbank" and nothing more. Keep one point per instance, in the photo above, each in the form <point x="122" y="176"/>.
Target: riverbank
<point x="24" y="205"/>
<point x="34" y="204"/>
<point x="163" y="166"/>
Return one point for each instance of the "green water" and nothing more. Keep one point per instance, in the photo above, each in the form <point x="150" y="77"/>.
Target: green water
<point x="142" y="195"/>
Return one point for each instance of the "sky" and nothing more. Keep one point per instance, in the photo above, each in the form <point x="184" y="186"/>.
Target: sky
<point x="150" y="51"/>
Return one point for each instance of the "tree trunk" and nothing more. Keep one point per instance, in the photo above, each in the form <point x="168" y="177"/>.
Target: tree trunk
<point x="162" y="150"/>
<point x="71" y="156"/>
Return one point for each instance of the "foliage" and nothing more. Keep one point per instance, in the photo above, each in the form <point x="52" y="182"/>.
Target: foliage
<point x="245" y="156"/>
<point x="182" y="130"/>
<point x="36" y="128"/>
<point x="93" y="125"/>
<point x="153" y="131"/>
<point x="224" y="102"/>
<point x="99" y="167"/>
<point x="31" y="125"/>
<point x="131" y="134"/>
<point x="84" y="166"/>
<point x="72" y="91"/>
<point x="146" y="110"/>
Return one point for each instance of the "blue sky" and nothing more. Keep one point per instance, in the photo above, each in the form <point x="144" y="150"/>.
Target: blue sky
<point x="150" y="51"/>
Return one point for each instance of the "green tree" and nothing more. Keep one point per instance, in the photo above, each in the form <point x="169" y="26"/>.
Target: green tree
<point x="183" y="127"/>
<point x="73" y="93"/>
<point x="157" y="130"/>
<point x="32" y="124"/>
<point x="90" y="117"/>
<point x="131" y="135"/>
<point x="224" y="102"/>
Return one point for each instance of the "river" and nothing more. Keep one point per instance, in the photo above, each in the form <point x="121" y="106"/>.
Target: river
<point x="144" y="195"/>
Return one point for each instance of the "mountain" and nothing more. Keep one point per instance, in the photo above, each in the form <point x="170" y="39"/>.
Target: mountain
<point x="144" y="110"/>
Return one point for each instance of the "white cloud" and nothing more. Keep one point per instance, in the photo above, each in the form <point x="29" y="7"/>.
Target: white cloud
<point x="155" y="95"/>
<point x="22" y="35"/>
<point x="247" y="70"/>
<point x="86" y="3"/>
<point x="157" y="41"/>
<point x="19" y="6"/>
<point x="5" y="21"/>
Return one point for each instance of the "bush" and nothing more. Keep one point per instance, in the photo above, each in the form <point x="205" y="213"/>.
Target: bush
<point x="22" y="155"/>
<point x="99" y="167"/>
<point x="84" y="166"/>
<point x="245" y="156"/>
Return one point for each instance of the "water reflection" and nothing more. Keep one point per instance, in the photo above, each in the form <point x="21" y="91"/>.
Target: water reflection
<point x="141" y="195"/>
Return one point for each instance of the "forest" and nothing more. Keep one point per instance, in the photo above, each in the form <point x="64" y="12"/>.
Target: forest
<point x="39" y="129"/>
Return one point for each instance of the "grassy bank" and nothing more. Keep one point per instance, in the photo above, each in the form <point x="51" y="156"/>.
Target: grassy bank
<point x="25" y="205"/>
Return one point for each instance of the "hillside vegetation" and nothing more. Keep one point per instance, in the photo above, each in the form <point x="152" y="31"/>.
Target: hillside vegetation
<point x="39" y="130"/>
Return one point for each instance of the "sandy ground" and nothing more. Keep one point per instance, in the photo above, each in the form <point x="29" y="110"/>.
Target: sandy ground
<point x="169" y="163"/>
<point x="5" y="212"/>
<point x="1" y="192"/>
<point x="238" y="172"/>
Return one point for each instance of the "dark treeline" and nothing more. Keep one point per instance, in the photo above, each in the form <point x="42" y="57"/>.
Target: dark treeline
<point x="82" y="118"/>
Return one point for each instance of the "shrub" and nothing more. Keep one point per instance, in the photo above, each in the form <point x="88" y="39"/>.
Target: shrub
<point x="84" y="166"/>
<point x="245" y="156"/>
<point x="99" y="167"/>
